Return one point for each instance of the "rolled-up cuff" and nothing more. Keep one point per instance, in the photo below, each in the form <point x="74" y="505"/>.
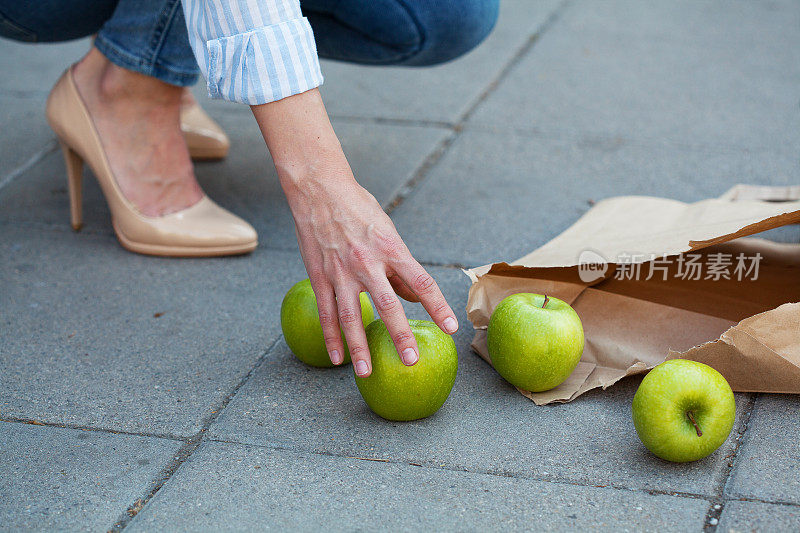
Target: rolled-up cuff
<point x="265" y="64"/>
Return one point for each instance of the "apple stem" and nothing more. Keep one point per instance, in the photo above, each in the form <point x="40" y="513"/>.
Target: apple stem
<point x="546" y="299"/>
<point x="696" y="427"/>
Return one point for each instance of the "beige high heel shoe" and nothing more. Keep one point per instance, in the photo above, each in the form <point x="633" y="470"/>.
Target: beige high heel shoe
<point x="205" y="139"/>
<point x="202" y="230"/>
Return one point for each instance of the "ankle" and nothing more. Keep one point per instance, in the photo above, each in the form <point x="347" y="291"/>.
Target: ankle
<point x="119" y="84"/>
<point x="112" y="84"/>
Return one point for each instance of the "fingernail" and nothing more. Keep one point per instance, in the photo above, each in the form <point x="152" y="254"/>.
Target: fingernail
<point x="410" y="356"/>
<point x="361" y="368"/>
<point x="336" y="358"/>
<point x="450" y="325"/>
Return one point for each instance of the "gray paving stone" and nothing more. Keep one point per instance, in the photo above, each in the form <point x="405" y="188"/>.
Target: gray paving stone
<point x="38" y="198"/>
<point x="498" y="196"/>
<point x="383" y="158"/>
<point x="439" y="93"/>
<point x="234" y="487"/>
<point x="597" y="76"/>
<point x="31" y="72"/>
<point x="82" y="345"/>
<point x="755" y="516"/>
<point x="684" y="71"/>
<point x="767" y="22"/>
<point x="485" y="425"/>
<point x="36" y="67"/>
<point x="70" y="480"/>
<point x="25" y="134"/>
<point x="769" y="460"/>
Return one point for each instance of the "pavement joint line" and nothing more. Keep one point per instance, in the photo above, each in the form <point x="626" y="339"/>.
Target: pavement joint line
<point x="445" y="144"/>
<point x="717" y="505"/>
<point x="60" y="425"/>
<point x="64" y="228"/>
<point x="43" y="226"/>
<point x="454" y="266"/>
<point x="391" y="121"/>
<point x="599" y="137"/>
<point x="556" y="481"/>
<point x="760" y="500"/>
<point x="48" y="148"/>
<point x="189" y="447"/>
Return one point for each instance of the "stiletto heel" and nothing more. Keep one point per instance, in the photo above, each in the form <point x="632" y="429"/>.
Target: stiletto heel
<point x="204" y="229"/>
<point x="74" y="164"/>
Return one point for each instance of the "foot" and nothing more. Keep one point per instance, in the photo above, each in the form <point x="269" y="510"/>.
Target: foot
<point x="138" y="120"/>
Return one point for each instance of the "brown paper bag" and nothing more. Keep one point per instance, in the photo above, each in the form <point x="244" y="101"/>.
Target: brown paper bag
<point x="628" y="267"/>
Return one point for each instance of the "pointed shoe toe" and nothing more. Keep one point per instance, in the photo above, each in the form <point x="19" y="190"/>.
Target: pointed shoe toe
<point x="202" y="230"/>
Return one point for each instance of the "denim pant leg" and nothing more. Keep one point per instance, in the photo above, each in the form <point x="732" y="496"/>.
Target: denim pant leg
<point x="150" y="37"/>
<point x="399" y="32"/>
<point x="47" y="21"/>
<point x="146" y="36"/>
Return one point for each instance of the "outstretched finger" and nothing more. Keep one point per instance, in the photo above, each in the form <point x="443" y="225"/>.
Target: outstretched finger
<point x="391" y="311"/>
<point x="432" y="299"/>
<point x="329" y="320"/>
<point x="347" y="299"/>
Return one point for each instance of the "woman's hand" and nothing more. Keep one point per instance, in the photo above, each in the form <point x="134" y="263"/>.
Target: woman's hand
<point x="347" y="241"/>
<point x="350" y="245"/>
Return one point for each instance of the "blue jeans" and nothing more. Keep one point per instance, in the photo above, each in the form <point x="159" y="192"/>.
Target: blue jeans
<point x="150" y="37"/>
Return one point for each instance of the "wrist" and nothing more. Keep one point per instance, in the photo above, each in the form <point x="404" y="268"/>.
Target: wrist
<point x="313" y="173"/>
<point x="315" y="190"/>
<point x="304" y="148"/>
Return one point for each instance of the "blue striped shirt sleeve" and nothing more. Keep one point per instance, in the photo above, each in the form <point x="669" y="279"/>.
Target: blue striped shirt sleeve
<point x="253" y="51"/>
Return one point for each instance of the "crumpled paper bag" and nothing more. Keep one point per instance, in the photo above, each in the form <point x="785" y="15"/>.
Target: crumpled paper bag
<point x="746" y="326"/>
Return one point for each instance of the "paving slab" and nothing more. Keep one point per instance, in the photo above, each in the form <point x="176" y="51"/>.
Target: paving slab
<point x="441" y="93"/>
<point x="28" y="137"/>
<point x="383" y="158"/>
<point x="85" y="341"/>
<point x="66" y="479"/>
<point x="756" y="516"/>
<point x="234" y="487"/>
<point x="36" y="67"/>
<point x="767" y="22"/>
<point x="768" y="462"/>
<point x="640" y="70"/>
<point x="485" y="425"/>
<point x="497" y="196"/>
<point x="38" y="198"/>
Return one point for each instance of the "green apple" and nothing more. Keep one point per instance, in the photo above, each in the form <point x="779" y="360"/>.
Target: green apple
<point x="535" y="341"/>
<point x="683" y="410"/>
<point x="399" y="392"/>
<point x="301" y="327"/>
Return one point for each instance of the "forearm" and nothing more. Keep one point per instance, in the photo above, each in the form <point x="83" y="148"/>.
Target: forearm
<point x="303" y="145"/>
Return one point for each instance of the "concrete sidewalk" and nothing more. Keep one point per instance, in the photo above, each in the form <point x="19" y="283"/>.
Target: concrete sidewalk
<point x="200" y="418"/>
